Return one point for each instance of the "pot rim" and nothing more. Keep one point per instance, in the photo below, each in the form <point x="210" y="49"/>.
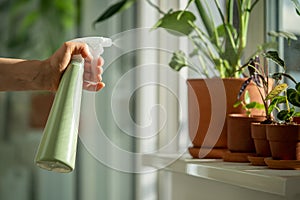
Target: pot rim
<point x="241" y="115"/>
<point x="227" y="78"/>
<point x="283" y="125"/>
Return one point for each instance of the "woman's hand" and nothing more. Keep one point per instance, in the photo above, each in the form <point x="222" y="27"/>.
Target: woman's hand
<point x="59" y="61"/>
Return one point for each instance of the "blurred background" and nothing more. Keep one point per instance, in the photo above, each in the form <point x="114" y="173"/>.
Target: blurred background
<point x="34" y="29"/>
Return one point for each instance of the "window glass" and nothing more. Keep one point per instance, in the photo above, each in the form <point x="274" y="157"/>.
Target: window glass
<point x="289" y="21"/>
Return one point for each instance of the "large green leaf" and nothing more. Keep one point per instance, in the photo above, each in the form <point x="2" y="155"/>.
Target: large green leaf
<point x="283" y="34"/>
<point x="298" y="87"/>
<point x="294" y="97"/>
<point x="114" y="9"/>
<point x="178" y="60"/>
<point x="275" y="101"/>
<point x="296" y="114"/>
<point x="222" y="30"/>
<point x="273" y="55"/>
<point x="177" y="23"/>
<point x="278" y="76"/>
<point x="205" y="17"/>
<point x="297" y="6"/>
<point x="276" y="91"/>
<point x="254" y="104"/>
<point x="285" y="115"/>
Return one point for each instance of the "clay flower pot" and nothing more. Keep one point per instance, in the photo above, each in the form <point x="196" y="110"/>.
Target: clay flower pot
<point x="239" y="132"/>
<point x="259" y="135"/>
<point x="296" y="120"/>
<point x="209" y="103"/>
<point x="284" y="141"/>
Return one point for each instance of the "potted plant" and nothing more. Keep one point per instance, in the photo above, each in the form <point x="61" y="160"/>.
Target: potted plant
<point x="283" y="134"/>
<point x="259" y="74"/>
<point x="223" y="46"/>
<point x="270" y="98"/>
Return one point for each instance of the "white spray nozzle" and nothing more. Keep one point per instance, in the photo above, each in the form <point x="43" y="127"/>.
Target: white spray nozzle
<point x="95" y="44"/>
<point x="96" y="48"/>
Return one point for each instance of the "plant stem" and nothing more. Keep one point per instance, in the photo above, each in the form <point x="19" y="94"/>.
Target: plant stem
<point x="197" y="71"/>
<point x="200" y="35"/>
<point x="207" y="21"/>
<point x="156" y="7"/>
<point x="228" y="32"/>
<point x="203" y="66"/>
<point x="252" y="6"/>
<point x="286" y="101"/>
<point x="230" y="4"/>
<point x="245" y="8"/>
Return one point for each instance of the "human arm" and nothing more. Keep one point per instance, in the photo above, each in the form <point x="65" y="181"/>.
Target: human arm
<point x="19" y="74"/>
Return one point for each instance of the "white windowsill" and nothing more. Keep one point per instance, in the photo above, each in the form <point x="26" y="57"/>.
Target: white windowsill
<point x="259" y="178"/>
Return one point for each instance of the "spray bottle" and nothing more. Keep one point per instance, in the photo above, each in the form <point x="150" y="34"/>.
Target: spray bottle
<point x="58" y="146"/>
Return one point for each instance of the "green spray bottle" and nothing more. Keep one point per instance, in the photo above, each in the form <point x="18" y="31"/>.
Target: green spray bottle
<point x="58" y="146"/>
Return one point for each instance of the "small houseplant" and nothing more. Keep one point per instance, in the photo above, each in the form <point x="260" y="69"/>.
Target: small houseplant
<point x="283" y="134"/>
<point x="271" y="100"/>
<point x="259" y="74"/>
<point x="222" y="45"/>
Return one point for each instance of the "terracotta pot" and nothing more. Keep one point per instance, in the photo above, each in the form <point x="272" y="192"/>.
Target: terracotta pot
<point x="296" y="120"/>
<point x="209" y="102"/>
<point x="259" y="135"/>
<point x="284" y="141"/>
<point x="239" y="132"/>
